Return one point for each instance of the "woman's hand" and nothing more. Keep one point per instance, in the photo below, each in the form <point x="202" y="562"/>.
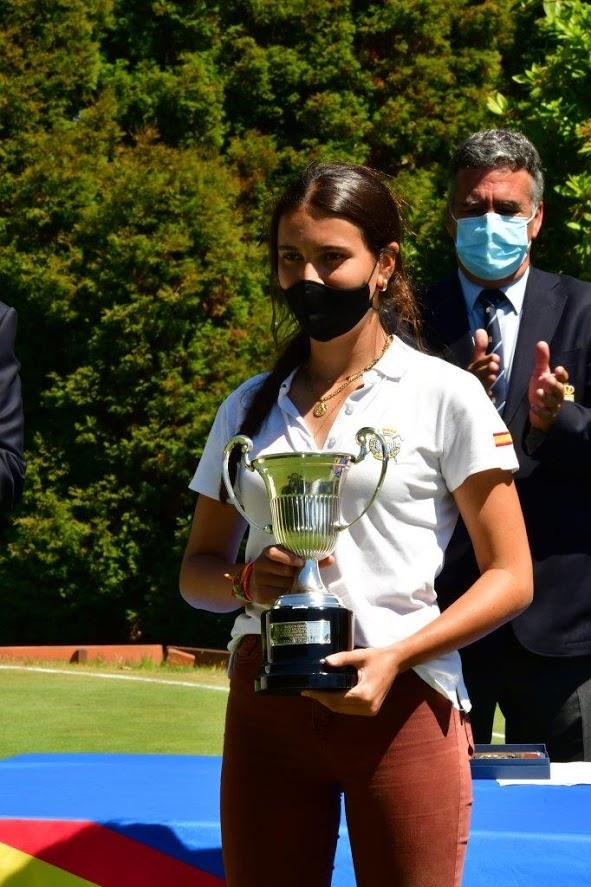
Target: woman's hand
<point x="377" y="668"/>
<point x="273" y="573"/>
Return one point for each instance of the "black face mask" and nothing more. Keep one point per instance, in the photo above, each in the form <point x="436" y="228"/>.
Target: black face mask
<point x="325" y="312"/>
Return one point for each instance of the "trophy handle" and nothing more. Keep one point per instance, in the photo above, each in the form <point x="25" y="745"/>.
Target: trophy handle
<point x="245" y="443"/>
<point x="362" y="437"/>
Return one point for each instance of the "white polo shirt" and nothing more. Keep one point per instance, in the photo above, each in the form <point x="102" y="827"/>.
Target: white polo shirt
<point x="441" y="428"/>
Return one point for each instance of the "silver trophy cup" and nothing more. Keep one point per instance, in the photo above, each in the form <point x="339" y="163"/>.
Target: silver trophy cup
<point x="309" y="622"/>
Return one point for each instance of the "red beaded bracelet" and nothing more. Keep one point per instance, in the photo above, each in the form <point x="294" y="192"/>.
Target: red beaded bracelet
<point x="241" y="583"/>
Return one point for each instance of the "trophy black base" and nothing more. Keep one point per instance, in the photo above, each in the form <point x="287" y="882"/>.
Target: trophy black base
<point x="295" y="641"/>
<point x="285" y="684"/>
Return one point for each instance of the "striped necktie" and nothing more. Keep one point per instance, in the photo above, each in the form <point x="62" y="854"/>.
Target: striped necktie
<point x="490" y="300"/>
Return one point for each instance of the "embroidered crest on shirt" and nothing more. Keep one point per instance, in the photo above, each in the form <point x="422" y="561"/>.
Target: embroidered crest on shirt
<point x="392" y="440"/>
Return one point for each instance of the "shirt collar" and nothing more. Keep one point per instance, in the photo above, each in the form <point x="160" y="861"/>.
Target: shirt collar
<point x="283" y="396"/>
<point x="515" y="291"/>
<point x="393" y="363"/>
<point x="395" y="360"/>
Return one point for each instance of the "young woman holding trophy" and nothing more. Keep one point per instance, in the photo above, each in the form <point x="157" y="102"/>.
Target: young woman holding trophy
<point x="396" y="741"/>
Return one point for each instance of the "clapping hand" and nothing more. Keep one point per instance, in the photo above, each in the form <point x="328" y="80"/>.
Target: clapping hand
<point x="546" y="389"/>
<point x="484" y="366"/>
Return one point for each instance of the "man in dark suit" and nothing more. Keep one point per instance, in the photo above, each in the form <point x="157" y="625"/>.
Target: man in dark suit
<point x="12" y="468"/>
<point x="527" y="335"/>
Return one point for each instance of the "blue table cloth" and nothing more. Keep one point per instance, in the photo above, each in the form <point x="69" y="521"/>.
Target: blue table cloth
<point x="522" y="836"/>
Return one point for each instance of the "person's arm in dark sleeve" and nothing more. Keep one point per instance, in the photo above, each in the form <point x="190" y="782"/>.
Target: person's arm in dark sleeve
<point x="12" y="466"/>
<point x="566" y="446"/>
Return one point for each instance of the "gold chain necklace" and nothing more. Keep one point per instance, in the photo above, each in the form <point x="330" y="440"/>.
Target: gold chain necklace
<point x="319" y="408"/>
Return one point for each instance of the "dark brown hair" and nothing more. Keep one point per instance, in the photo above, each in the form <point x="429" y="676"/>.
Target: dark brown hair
<point x="358" y="194"/>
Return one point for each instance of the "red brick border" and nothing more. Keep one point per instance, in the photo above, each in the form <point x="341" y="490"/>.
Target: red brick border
<point x="119" y="653"/>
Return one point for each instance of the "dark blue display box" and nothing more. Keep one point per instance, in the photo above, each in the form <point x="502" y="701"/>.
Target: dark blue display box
<point x="511" y="761"/>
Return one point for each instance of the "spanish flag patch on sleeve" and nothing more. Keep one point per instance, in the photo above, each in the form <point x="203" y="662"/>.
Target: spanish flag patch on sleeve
<point x="502" y="439"/>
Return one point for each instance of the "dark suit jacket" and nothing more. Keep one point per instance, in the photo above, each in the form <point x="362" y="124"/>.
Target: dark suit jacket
<point x="554" y="481"/>
<point x="12" y="467"/>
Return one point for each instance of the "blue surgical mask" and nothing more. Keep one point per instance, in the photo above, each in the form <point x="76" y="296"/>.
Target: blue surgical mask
<point x="492" y="246"/>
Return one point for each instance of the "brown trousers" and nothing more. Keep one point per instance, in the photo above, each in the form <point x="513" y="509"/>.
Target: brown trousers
<point x="405" y="776"/>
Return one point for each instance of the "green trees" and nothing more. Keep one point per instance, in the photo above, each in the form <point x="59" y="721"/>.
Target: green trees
<point x="140" y="147"/>
<point x="557" y="108"/>
<point x="550" y="98"/>
<point x="372" y="82"/>
<point x="128" y="263"/>
<point x="148" y="296"/>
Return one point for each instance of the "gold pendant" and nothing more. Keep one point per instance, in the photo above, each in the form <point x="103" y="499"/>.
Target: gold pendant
<point x="319" y="409"/>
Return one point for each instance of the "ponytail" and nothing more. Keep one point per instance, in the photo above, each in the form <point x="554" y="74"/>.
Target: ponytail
<point x="296" y="352"/>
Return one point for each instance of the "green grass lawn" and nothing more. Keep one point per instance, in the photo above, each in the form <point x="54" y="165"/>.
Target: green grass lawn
<point x="498" y="727"/>
<point x="97" y="708"/>
<point x="79" y="710"/>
